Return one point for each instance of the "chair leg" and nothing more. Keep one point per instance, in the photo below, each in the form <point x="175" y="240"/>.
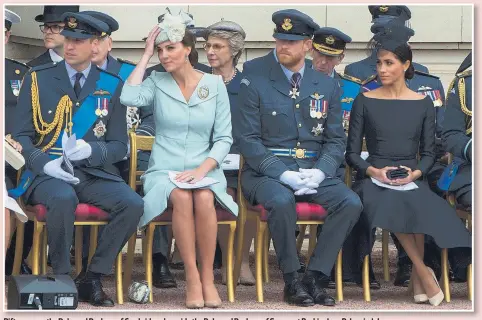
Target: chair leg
<point x="38" y="227"/>
<point x="148" y="257"/>
<point x="43" y="253"/>
<point x="129" y="261"/>
<point x="301" y="237"/>
<point x="339" y="276"/>
<point x="94" y="233"/>
<point x="169" y="245"/>
<point x="366" y="279"/>
<point x="267" y="241"/>
<point x="240" y="223"/>
<point x="261" y="228"/>
<point x="445" y="274"/>
<point x="469" y="282"/>
<point x="229" y="262"/>
<point x="79" y="231"/>
<point x="312" y="242"/>
<point x="386" y="268"/>
<point x="118" y="276"/>
<point x="17" y="261"/>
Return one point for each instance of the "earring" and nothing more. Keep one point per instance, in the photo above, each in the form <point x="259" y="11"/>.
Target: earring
<point x="187" y="57"/>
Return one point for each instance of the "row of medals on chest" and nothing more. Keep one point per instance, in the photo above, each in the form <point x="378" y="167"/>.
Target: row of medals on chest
<point x="318" y="108"/>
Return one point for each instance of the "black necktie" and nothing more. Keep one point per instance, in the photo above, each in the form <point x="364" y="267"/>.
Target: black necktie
<point x="295" y="80"/>
<point x="77" y="86"/>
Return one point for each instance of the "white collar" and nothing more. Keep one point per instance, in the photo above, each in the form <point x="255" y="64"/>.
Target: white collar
<point x="54" y="56"/>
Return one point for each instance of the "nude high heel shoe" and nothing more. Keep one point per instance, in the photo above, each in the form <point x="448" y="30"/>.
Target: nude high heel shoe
<point x="418" y="298"/>
<point x="439" y="297"/>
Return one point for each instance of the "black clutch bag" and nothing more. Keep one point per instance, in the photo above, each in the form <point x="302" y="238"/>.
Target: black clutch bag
<point x="399" y="173"/>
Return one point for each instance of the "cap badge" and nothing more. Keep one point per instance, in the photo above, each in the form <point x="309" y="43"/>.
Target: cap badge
<point x="287" y="24"/>
<point x="72" y="23"/>
<point x="383" y="8"/>
<point x="330" y="40"/>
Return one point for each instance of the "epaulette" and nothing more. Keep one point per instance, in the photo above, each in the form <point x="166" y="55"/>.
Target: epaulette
<point x="425" y="74"/>
<point x="350" y="78"/>
<point x="44" y="66"/>
<point x="465" y="74"/>
<point x="370" y="78"/>
<point x="23" y="65"/>
<point x="126" y="61"/>
<point x="109" y="73"/>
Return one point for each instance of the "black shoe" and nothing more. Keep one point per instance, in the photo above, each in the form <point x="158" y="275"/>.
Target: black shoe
<point x="79" y="278"/>
<point x="161" y="275"/>
<point x="296" y="294"/>
<point x="374" y="284"/>
<point x="402" y="278"/>
<point x="90" y="290"/>
<point x="316" y="290"/>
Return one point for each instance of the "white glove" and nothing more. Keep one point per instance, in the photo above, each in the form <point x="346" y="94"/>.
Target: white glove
<point x="53" y="169"/>
<point x="305" y="191"/>
<point x="295" y="180"/>
<point x="81" y="151"/>
<point x="315" y="176"/>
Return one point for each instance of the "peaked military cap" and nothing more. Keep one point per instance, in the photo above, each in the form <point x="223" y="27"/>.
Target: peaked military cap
<point x="395" y="11"/>
<point x="11" y="17"/>
<point x="292" y="24"/>
<point x="330" y="41"/>
<point x="110" y="21"/>
<point x="82" y="26"/>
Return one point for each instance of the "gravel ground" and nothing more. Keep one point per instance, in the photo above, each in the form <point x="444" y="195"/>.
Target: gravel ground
<point x="388" y="297"/>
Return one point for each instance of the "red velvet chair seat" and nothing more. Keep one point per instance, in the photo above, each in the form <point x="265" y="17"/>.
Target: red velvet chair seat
<point x="84" y="212"/>
<point x="304" y="210"/>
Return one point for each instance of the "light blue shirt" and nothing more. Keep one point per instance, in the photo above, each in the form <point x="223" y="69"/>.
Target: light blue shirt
<point x="288" y="73"/>
<point x="72" y="72"/>
<point x="104" y="65"/>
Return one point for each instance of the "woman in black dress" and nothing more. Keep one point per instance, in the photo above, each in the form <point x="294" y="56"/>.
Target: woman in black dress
<point x="399" y="127"/>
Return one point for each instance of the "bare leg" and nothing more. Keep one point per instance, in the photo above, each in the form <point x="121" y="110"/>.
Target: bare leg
<point x="246" y="276"/>
<point x="184" y="232"/>
<point x="206" y="232"/>
<point x="417" y="284"/>
<point x="408" y="242"/>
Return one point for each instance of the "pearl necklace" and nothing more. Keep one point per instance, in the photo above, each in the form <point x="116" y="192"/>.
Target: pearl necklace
<point x="227" y="81"/>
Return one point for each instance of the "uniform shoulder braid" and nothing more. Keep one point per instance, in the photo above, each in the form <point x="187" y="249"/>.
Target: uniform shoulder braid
<point x="126" y="61"/>
<point x="44" y="66"/>
<point x="370" y="78"/>
<point x="350" y="78"/>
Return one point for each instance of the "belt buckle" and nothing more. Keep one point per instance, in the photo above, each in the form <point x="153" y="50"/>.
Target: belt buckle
<point x="300" y="153"/>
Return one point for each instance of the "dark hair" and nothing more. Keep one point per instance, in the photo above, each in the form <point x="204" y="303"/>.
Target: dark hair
<point x="402" y="52"/>
<point x="189" y="40"/>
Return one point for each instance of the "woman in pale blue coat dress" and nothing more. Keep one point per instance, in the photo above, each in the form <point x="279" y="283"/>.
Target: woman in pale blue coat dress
<point x="193" y="136"/>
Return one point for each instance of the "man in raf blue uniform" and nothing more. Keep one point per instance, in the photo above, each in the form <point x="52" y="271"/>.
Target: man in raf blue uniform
<point x="14" y="72"/>
<point x="292" y="138"/>
<point x="457" y="139"/>
<point x="59" y="100"/>
<point x="381" y="14"/>
<point x="104" y="60"/>
<point x="426" y="84"/>
<point x="51" y="27"/>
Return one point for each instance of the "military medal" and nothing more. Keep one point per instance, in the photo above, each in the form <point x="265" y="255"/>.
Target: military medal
<point x="315" y="104"/>
<point x="313" y="108"/>
<point x="317" y="130"/>
<point x="203" y="92"/>
<point x="324" y="110"/>
<point x="15" y="85"/>
<point x="99" y="129"/>
<point x="294" y="93"/>
<point x="346" y="119"/>
<point x="102" y="103"/>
